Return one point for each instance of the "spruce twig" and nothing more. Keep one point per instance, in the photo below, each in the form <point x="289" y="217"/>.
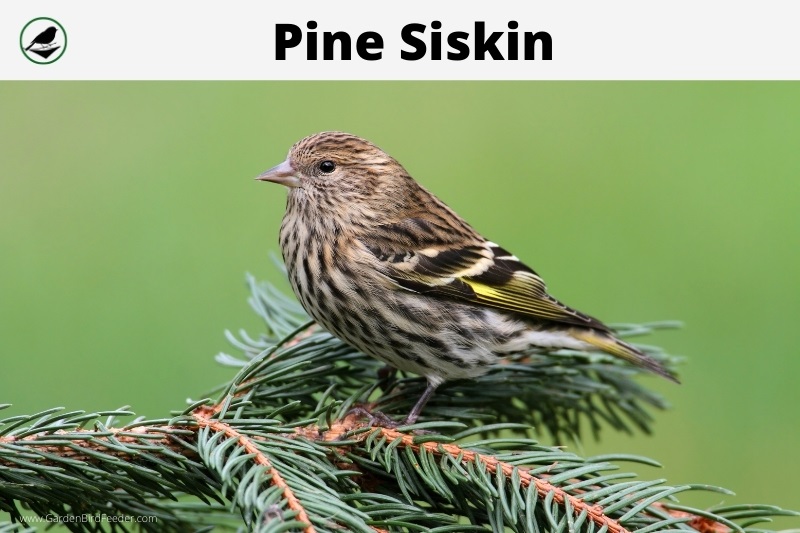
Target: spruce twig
<point x="281" y="449"/>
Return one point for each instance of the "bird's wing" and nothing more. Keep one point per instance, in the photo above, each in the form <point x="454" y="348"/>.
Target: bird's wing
<point x="419" y="257"/>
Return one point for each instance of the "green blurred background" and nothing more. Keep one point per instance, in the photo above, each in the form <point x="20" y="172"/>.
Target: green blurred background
<point x="129" y="216"/>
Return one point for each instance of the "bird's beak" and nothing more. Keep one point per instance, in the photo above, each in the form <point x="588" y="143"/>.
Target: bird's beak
<point x="283" y="174"/>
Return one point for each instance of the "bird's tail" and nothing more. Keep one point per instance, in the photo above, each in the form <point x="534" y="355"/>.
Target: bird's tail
<point x="623" y="350"/>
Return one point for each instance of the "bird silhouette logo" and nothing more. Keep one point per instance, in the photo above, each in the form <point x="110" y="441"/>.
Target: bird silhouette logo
<point x="43" y="40"/>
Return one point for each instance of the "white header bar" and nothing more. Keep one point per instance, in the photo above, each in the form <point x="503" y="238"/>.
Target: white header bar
<point x="236" y="40"/>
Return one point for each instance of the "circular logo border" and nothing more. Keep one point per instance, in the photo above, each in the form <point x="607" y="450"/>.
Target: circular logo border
<point x="22" y="45"/>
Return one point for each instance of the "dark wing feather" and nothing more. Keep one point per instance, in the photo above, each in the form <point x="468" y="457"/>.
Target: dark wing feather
<point x="421" y="256"/>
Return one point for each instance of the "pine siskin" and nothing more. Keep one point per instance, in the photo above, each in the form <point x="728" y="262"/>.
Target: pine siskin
<point x="387" y="267"/>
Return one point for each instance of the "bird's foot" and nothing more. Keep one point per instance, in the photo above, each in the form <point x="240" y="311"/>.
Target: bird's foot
<point x="379" y="419"/>
<point x="376" y="418"/>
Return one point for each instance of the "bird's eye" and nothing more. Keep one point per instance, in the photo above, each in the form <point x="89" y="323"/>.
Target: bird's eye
<point x="327" y="167"/>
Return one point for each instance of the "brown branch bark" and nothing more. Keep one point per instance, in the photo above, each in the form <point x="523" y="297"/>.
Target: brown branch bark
<point x="543" y="487"/>
<point x="203" y="418"/>
<point x="159" y="436"/>
<point x="96" y="441"/>
<point x="702" y="524"/>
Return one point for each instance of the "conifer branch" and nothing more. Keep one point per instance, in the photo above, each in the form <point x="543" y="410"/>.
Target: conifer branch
<point x="203" y="417"/>
<point x="281" y="449"/>
<point x="595" y="513"/>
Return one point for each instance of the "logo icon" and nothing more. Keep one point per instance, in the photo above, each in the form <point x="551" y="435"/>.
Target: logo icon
<point x="43" y="40"/>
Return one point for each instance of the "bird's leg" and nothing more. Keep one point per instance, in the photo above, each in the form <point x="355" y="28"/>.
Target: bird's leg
<point x="387" y="373"/>
<point x="377" y="418"/>
<point x="415" y="412"/>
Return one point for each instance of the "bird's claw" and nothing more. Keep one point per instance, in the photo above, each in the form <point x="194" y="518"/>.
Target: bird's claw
<point x="381" y="420"/>
<point x="376" y="418"/>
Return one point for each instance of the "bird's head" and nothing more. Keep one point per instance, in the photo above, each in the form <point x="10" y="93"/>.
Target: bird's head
<point x="341" y="170"/>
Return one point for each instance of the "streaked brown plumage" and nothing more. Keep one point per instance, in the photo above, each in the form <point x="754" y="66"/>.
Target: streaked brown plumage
<point x="390" y="269"/>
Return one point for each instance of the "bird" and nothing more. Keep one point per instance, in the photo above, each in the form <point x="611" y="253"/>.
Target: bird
<point x="44" y="38"/>
<point x="388" y="268"/>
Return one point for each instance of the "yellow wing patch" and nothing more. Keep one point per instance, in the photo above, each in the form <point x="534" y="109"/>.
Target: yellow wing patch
<point x="520" y="298"/>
